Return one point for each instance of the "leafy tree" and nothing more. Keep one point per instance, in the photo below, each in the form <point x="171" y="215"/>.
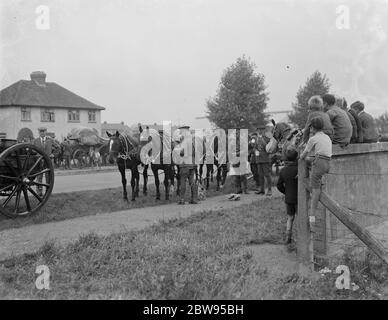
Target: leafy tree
<point x="241" y="98"/>
<point x="382" y="123"/>
<point x="316" y="84"/>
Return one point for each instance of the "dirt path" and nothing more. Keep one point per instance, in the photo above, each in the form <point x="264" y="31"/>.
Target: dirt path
<point x="29" y="239"/>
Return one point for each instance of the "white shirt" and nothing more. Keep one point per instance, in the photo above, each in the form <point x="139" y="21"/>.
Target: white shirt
<point x="320" y="143"/>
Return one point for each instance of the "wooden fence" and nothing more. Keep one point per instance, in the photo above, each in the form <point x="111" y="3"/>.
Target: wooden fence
<point x="353" y="204"/>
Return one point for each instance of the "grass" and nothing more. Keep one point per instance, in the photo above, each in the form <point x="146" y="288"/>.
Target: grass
<point x="201" y="257"/>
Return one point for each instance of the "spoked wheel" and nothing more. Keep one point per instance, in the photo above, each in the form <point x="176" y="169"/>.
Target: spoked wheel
<point x="26" y="180"/>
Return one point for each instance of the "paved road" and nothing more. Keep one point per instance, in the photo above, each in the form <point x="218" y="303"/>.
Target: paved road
<point x="90" y="181"/>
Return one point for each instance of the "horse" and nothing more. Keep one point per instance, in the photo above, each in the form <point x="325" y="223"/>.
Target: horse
<point x="149" y="159"/>
<point x="284" y="137"/>
<point x="221" y="166"/>
<point x="124" y="150"/>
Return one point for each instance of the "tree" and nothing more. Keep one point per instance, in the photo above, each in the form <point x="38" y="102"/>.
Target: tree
<point x="241" y="98"/>
<point x="382" y="123"/>
<point x="316" y="84"/>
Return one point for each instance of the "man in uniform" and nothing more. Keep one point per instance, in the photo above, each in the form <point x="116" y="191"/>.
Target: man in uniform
<point x="186" y="164"/>
<point x="67" y="153"/>
<point x="263" y="161"/>
<point x="45" y="143"/>
<point x="253" y="153"/>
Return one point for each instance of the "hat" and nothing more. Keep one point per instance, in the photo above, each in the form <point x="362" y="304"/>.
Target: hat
<point x="42" y="129"/>
<point x="262" y="126"/>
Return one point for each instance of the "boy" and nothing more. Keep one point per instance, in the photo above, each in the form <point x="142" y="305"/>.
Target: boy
<point x="288" y="185"/>
<point x="321" y="147"/>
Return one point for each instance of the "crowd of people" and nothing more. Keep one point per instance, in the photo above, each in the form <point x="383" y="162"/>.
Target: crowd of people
<point x="329" y="122"/>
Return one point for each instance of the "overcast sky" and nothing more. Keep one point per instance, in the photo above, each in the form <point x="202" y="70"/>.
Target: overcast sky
<point x="153" y="60"/>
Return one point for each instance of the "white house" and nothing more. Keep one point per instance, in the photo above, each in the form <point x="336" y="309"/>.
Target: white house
<point x="29" y="104"/>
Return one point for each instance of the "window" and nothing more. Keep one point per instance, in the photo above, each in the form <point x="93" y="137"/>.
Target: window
<point x="47" y="115"/>
<point x="73" y="116"/>
<point x="26" y="114"/>
<point x="3" y="135"/>
<point x="92" y="116"/>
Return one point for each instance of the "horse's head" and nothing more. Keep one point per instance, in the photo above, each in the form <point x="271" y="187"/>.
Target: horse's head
<point x="115" y="146"/>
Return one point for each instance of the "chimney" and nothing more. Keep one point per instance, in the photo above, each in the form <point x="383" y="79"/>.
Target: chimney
<point x="39" y="77"/>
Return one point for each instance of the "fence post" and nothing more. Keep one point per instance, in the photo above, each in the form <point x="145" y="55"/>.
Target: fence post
<point x="303" y="225"/>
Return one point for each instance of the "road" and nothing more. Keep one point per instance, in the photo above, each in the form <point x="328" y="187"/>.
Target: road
<point x="90" y="181"/>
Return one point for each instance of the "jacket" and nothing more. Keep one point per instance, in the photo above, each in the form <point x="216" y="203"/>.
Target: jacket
<point x="47" y="147"/>
<point x="354" y="137"/>
<point x="368" y="125"/>
<point x="358" y="124"/>
<point x="341" y="124"/>
<point x="288" y="182"/>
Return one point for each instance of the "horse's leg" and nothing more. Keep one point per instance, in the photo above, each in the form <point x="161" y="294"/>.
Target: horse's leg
<point x="133" y="183"/>
<point x="145" y="179"/>
<point x="157" y="182"/>
<point x="137" y="181"/>
<point x="200" y="172"/>
<point x="178" y="180"/>
<point x="171" y="177"/>
<point x="218" y="177"/>
<point x="123" y="181"/>
<point x="208" y="171"/>
<point x="167" y="176"/>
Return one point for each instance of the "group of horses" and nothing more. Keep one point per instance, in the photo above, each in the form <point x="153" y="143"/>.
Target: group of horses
<point x="125" y="149"/>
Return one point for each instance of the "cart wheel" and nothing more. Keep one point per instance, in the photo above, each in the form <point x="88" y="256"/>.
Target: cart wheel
<point x="26" y="180"/>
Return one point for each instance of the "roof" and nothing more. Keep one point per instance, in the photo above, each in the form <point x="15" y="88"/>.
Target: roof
<point x="114" y="126"/>
<point x="29" y="93"/>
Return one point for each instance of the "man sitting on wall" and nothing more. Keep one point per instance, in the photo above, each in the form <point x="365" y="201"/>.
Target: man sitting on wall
<point x="339" y="120"/>
<point x="315" y="105"/>
<point x="368" y="124"/>
<point x="342" y="104"/>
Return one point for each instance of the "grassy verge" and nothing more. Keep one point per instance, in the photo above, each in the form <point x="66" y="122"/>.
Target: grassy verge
<point x="83" y="203"/>
<point x="195" y="258"/>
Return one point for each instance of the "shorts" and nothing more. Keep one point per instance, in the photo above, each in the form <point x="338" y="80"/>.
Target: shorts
<point x="291" y="209"/>
<point x="319" y="168"/>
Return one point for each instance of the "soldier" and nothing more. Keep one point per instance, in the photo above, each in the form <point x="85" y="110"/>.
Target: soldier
<point x="67" y="153"/>
<point x="264" y="162"/>
<point x="186" y="164"/>
<point x="253" y="154"/>
<point x="45" y="143"/>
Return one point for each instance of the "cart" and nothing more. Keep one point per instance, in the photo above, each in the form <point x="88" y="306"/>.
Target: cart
<point x="24" y="169"/>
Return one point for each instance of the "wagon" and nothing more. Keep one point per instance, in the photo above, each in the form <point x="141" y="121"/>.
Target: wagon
<point x="21" y="166"/>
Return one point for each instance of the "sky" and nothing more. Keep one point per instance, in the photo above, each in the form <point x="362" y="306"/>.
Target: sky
<point x="153" y="60"/>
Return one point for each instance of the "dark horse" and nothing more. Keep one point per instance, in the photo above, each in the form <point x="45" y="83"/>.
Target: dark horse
<point x="149" y="159"/>
<point x="124" y="149"/>
<point x="221" y="166"/>
<point x="285" y="137"/>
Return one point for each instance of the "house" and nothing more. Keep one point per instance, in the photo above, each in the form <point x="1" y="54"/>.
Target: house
<point x="29" y="104"/>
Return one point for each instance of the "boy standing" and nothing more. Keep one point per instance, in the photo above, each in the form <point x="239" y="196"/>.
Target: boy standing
<point x="321" y="147"/>
<point x="288" y="185"/>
